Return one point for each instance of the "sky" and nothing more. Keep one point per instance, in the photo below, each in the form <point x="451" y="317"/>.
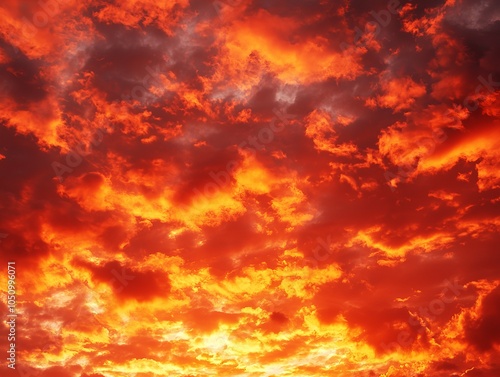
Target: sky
<point x="250" y="188"/>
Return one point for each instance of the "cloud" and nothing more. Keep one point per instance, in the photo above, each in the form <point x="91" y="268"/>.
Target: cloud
<point x="251" y="187"/>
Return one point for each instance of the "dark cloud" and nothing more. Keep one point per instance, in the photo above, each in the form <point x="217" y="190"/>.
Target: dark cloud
<point x="483" y="332"/>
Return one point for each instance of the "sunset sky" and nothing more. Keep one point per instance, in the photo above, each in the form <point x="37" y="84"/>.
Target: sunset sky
<point x="251" y="187"/>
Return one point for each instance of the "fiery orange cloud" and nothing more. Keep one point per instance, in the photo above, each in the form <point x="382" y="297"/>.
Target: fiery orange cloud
<point x="250" y="188"/>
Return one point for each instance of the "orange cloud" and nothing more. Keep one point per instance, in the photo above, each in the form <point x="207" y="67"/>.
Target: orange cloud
<point x="249" y="188"/>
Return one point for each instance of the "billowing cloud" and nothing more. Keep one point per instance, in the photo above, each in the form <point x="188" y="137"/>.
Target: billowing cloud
<point x="250" y="188"/>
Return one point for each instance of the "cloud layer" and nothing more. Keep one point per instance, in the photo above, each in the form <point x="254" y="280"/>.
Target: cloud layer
<point x="251" y="188"/>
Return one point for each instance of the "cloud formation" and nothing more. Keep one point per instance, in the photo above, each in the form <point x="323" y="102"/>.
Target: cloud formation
<point x="251" y="188"/>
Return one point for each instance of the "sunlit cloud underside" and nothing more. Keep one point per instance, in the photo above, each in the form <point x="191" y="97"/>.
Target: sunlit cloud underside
<point x="251" y="188"/>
